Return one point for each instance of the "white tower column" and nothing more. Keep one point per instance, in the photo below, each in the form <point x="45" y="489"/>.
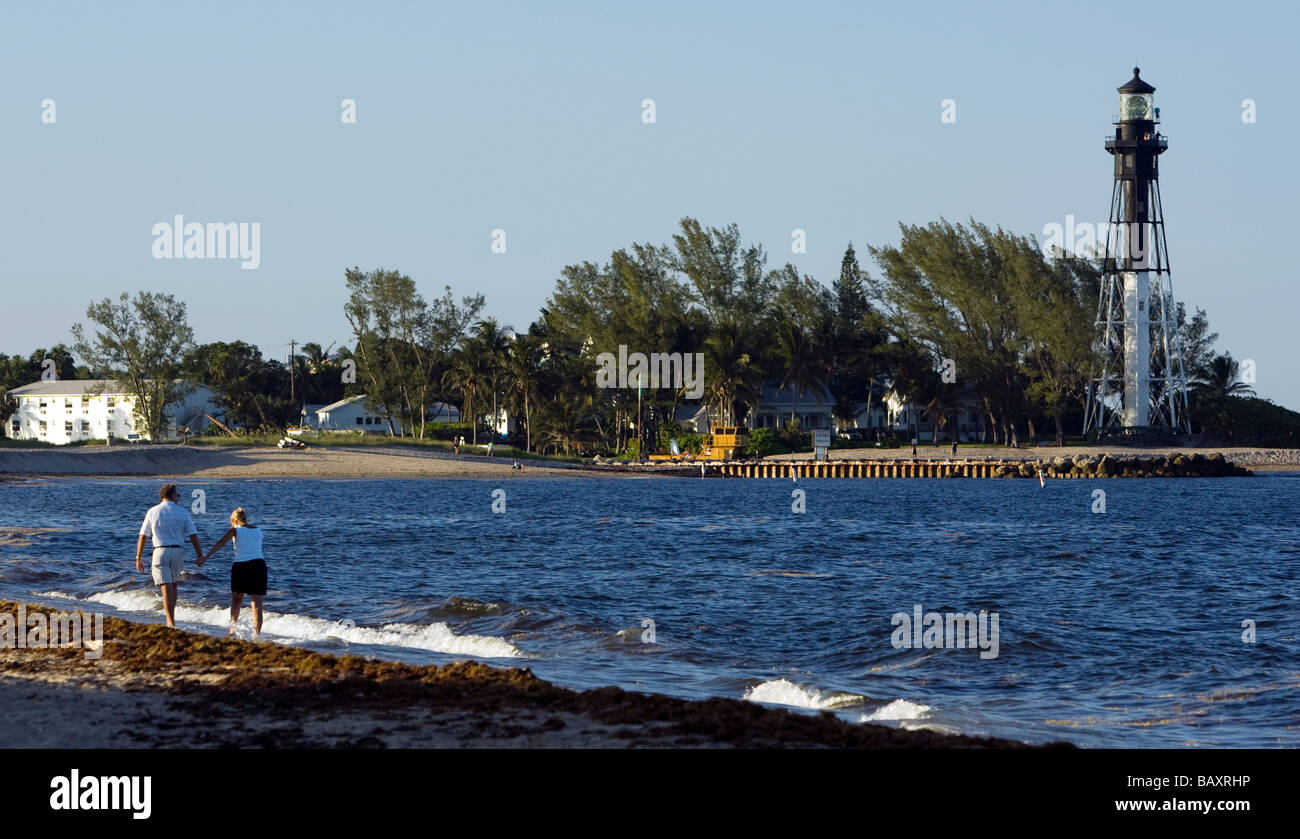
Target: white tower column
<point x="1137" y="348"/>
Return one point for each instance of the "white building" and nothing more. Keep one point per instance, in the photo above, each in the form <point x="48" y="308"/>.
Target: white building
<point x="505" y="424"/>
<point x="908" y="418"/>
<point x="307" y="416"/>
<point x="354" y="414"/>
<point x="443" y="412"/>
<point x="70" y="410"/>
<point x="812" y="407"/>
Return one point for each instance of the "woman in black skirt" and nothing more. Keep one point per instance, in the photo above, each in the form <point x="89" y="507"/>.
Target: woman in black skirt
<point x="248" y="573"/>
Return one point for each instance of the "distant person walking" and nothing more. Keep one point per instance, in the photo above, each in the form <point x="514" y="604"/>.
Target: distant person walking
<point x="455" y="445"/>
<point x="167" y="525"/>
<point x="954" y="447"/>
<point x="489" y="448"/>
<point x="247" y="572"/>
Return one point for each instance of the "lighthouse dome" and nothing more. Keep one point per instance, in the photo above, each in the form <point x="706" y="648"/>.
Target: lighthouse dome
<point x="1136" y="85"/>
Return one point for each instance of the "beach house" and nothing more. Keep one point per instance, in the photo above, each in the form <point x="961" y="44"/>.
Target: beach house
<point x="66" y="411"/>
<point x="908" y="418"/>
<point x="354" y="413"/>
<point x="812" y="406"/>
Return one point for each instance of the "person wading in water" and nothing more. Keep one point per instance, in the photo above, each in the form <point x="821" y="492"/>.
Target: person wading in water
<point x="168" y="525"/>
<point x="248" y="572"/>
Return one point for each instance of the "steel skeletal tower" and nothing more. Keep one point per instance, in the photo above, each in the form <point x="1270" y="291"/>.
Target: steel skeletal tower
<point x="1142" y="382"/>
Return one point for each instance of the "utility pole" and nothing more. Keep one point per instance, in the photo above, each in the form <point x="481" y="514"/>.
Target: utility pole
<point x="292" y="347"/>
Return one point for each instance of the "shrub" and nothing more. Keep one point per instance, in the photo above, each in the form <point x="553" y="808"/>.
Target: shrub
<point x="763" y="442"/>
<point x="1248" y="420"/>
<point x="448" y="430"/>
<point x="693" y="443"/>
<point x="793" y="437"/>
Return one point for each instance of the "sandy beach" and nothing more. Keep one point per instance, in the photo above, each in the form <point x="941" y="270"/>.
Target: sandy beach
<point x="156" y="687"/>
<point x="415" y="462"/>
<point x="267" y="462"/>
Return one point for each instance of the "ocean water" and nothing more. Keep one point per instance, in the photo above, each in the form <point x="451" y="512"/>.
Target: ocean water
<point x="1115" y="629"/>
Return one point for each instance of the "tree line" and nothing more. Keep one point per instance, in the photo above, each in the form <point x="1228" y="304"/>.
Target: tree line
<point x="957" y="317"/>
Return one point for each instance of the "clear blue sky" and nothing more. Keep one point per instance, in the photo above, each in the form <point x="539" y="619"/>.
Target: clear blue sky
<point x="527" y="117"/>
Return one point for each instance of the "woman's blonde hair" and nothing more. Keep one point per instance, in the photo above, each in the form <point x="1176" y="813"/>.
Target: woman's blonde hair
<point x="239" y="518"/>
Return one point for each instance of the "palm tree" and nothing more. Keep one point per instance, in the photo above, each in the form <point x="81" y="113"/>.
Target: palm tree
<point x="911" y="372"/>
<point x="561" y="423"/>
<point x="732" y="376"/>
<point x="465" y="374"/>
<point x="317" y="357"/>
<point x="939" y="409"/>
<point x="1221" y="378"/>
<point x="492" y="343"/>
<point x="522" y="361"/>
<point x="800" y="364"/>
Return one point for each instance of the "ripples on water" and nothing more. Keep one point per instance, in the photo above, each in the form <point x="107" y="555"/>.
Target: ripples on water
<point x="1115" y="629"/>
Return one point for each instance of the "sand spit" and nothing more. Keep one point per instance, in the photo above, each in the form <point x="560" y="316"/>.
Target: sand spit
<point x="170" y="461"/>
<point x="266" y="462"/>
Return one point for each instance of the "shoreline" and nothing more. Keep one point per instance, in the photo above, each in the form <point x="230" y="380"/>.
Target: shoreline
<point x="330" y="462"/>
<point x="156" y="687"/>
<point x="339" y="462"/>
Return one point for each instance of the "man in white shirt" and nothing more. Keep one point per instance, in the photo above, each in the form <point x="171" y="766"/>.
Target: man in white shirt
<point x="167" y="524"/>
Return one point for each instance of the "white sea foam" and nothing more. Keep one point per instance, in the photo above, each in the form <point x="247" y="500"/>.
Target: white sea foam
<point x="785" y="692"/>
<point x="296" y="630"/>
<point x="132" y="601"/>
<point x="899" y="709"/>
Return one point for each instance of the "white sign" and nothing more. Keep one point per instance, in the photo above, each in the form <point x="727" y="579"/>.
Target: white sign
<point x="822" y="438"/>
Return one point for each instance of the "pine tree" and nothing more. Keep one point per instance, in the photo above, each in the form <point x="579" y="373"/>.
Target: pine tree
<point x="850" y="294"/>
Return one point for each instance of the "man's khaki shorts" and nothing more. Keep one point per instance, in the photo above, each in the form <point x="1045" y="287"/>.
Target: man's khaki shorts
<point x="167" y="565"/>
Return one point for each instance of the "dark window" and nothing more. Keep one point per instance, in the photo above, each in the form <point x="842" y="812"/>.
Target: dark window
<point x="359" y="420"/>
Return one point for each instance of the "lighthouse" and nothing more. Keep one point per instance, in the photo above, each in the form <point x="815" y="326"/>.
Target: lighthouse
<point x="1142" y="383"/>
